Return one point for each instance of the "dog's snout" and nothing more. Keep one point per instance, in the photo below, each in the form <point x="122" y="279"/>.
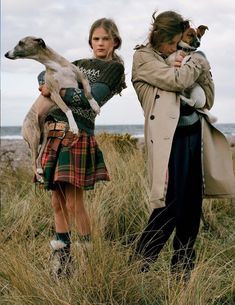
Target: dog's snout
<point x="195" y="42"/>
<point x="10" y="55"/>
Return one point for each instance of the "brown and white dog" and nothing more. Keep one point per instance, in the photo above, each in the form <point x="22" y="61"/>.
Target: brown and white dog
<point x="60" y="73"/>
<point x="189" y="43"/>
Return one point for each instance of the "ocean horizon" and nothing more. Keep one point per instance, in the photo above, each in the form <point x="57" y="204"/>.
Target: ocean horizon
<point x="136" y="130"/>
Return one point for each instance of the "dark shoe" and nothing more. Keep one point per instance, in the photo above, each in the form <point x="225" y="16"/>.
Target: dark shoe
<point x="60" y="259"/>
<point x="182" y="272"/>
<point x="144" y="262"/>
<point x="145" y="266"/>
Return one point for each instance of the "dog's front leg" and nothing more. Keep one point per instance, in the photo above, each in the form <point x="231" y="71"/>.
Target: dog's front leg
<point x="54" y="88"/>
<point x="188" y="101"/>
<point x="87" y="91"/>
<point x="61" y="104"/>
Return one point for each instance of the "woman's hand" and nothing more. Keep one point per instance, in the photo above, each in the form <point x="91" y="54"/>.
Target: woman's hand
<point x="62" y="92"/>
<point x="179" y="58"/>
<point x="44" y="90"/>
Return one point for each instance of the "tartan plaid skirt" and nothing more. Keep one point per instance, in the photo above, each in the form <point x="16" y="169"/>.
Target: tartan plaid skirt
<point x="77" y="161"/>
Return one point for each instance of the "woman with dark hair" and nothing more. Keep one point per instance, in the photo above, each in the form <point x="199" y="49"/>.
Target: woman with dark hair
<point x="180" y="142"/>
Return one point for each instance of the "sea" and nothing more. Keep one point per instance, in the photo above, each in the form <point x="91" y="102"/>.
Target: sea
<point x="14" y="132"/>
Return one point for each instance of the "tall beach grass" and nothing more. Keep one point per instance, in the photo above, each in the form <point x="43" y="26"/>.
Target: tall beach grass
<point x="104" y="276"/>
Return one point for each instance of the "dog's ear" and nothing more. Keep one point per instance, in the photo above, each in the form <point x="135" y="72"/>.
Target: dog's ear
<point x="41" y="42"/>
<point x="201" y="30"/>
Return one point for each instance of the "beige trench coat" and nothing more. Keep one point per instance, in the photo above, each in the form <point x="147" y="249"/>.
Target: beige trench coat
<point x="157" y="87"/>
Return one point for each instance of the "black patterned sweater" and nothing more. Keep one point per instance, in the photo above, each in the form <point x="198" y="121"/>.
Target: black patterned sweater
<point x="106" y="79"/>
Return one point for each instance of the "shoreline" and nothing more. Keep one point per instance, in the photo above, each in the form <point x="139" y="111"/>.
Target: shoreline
<point x="16" y="151"/>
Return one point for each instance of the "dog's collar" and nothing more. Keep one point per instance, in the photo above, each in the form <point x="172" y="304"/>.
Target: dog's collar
<point x="185" y="47"/>
<point x="186" y="50"/>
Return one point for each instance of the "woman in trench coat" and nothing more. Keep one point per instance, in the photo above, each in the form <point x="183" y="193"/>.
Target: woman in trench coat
<point x="188" y="158"/>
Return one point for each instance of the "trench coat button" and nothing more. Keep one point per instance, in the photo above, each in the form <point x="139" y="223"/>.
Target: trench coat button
<point x="157" y="96"/>
<point x="152" y="117"/>
<point x="151" y="141"/>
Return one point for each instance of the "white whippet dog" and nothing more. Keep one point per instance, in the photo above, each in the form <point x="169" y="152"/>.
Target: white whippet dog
<point x="60" y="73"/>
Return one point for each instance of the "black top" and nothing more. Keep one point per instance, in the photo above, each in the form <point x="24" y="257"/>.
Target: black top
<point x="106" y="79"/>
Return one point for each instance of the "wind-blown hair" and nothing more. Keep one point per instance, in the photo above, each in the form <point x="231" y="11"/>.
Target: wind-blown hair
<point x="165" y="26"/>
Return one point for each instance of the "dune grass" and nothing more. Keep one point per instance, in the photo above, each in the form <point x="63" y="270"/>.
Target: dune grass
<point x="103" y="276"/>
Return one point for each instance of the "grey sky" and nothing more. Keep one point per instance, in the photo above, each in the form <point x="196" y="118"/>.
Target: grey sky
<point x="64" y="26"/>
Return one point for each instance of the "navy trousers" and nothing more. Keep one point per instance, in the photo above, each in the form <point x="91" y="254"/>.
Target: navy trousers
<point x="183" y="205"/>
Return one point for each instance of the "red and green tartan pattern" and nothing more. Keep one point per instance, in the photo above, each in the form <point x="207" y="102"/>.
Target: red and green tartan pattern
<point x="78" y="161"/>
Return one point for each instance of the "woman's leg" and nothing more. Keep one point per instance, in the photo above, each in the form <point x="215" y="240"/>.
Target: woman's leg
<point x="162" y="221"/>
<point x="60" y="258"/>
<point x="189" y="211"/>
<point x="76" y="209"/>
<point x="60" y="210"/>
<point x="160" y="227"/>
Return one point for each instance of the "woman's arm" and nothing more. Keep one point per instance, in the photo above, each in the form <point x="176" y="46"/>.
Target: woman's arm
<point x="150" y="68"/>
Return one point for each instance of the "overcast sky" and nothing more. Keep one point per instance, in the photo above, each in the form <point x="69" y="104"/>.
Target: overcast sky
<point x="64" y="25"/>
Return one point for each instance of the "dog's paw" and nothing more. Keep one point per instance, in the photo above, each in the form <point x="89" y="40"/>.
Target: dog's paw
<point x="39" y="176"/>
<point x="72" y="123"/>
<point x="187" y="101"/>
<point x="73" y="127"/>
<point x="74" y="130"/>
<point x="95" y="106"/>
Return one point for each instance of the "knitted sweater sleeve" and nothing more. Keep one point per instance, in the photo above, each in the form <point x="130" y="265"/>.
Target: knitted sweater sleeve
<point x="75" y="97"/>
<point x="41" y="78"/>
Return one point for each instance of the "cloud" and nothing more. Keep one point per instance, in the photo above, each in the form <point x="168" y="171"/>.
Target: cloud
<point x="65" y="25"/>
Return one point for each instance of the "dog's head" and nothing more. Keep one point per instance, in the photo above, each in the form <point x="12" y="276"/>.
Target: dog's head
<point x="27" y="47"/>
<point x="191" y="38"/>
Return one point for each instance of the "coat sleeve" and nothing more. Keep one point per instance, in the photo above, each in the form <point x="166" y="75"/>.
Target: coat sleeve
<point x="206" y="82"/>
<point x="153" y="70"/>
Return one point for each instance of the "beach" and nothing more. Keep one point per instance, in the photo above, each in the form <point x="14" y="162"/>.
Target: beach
<point x="16" y="151"/>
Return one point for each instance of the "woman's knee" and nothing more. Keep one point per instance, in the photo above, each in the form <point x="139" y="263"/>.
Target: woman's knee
<point x="58" y="201"/>
<point x="75" y="207"/>
<point x="74" y="200"/>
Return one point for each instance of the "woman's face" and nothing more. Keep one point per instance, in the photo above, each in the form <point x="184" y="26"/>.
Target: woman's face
<point x="167" y="48"/>
<point x="102" y="44"/>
